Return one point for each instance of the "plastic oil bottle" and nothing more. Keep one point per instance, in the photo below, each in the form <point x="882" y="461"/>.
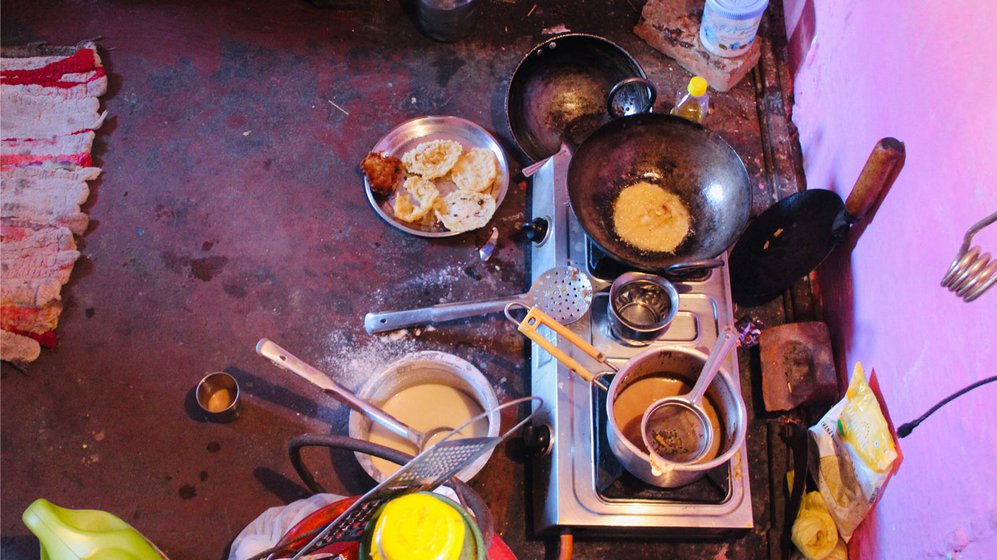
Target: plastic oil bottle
<point x="694" y="103"/>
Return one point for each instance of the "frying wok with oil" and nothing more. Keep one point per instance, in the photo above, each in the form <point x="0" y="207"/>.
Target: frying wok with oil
<point x="682" y="157"/>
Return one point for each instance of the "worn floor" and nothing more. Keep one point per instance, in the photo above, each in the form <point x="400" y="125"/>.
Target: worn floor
<point x="231" y="208"/>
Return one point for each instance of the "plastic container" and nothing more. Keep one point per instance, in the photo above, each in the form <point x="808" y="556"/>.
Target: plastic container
<point x="694" y="103"/>
<point x="422" y="526"/>
<point x="75" y="534"/>
<point x="729" y="27"/>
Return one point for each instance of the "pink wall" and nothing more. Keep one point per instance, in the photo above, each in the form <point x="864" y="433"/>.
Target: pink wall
<point x="925" y="73"/>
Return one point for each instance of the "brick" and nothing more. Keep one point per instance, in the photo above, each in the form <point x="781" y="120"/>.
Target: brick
<point x="672" y="27"/>
<point x="797" y="366"/>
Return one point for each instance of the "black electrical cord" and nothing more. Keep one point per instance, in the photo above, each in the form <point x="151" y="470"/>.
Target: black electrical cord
<point x="906" y="429"/>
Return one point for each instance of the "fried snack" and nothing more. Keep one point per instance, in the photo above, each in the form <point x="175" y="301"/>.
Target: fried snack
<point x="650" y="218"/>
<point x="432" y="159"/>
<point x="382" y="172"/>
<point x="464" y="211"/>
<point x="423" y="192"/>
<point x="475" y="170"/>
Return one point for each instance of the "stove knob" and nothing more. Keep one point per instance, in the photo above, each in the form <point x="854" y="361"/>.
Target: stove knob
<point x="536" y="439"/>
<point x="535" y="230"/>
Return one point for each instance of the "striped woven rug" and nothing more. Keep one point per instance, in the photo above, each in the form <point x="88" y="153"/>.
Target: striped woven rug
<point x="49" y="109"/>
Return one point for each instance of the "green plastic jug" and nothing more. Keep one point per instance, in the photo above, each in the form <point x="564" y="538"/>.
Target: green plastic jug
<point x="78" y="534"/>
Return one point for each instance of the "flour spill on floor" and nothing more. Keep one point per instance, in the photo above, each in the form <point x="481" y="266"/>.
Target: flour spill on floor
<point x="351" y="356"/>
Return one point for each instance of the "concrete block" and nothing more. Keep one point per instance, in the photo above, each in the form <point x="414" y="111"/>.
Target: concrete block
<point x="797" y="366"/>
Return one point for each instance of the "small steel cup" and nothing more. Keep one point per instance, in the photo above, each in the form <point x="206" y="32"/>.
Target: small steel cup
<point x="218" y="396"/>
<point x="641" y="306"/>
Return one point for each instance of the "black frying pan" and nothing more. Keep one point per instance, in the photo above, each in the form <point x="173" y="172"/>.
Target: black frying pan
<point x="559" y="91"/>
<point x="789" y="240"/>
<point x="684" y="158"/>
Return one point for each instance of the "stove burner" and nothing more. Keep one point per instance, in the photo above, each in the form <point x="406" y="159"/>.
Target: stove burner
<point x="615" y="483"/>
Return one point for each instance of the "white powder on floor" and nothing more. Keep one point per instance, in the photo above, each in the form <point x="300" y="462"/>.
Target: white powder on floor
<point x="352" y="357"/>
<point x="351" y="362"/>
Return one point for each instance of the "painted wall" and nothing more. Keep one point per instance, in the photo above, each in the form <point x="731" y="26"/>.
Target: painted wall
<point x="925" y="73"/>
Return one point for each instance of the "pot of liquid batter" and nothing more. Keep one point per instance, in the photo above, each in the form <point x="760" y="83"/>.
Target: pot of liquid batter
<point x="666" y="372"/>
<point x="427" y="391"/>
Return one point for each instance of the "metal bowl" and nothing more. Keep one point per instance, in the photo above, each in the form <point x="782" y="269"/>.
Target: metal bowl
<point x="420" y="368"/>
<point x="410" y="134"/>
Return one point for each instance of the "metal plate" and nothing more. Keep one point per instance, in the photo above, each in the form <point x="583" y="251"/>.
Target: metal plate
<point x="410" y="134"/>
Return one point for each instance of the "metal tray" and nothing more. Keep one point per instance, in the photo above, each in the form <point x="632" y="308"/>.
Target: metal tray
<point x="411" y="133"/>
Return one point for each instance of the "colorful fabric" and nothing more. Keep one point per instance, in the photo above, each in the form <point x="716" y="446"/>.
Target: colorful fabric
<point x="50" y="110"/>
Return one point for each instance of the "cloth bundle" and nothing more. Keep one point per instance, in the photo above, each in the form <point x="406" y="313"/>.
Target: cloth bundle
<point x="50" y="109"/>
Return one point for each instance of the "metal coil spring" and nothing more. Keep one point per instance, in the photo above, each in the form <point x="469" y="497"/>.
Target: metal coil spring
<point x="972" y="271"/>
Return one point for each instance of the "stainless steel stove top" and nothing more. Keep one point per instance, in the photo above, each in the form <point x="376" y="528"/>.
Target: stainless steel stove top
<point x="578" y="483"/>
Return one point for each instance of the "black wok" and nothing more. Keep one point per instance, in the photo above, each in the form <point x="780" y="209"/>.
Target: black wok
<point x="685" y="159"/>
<point x="560" y="90"/>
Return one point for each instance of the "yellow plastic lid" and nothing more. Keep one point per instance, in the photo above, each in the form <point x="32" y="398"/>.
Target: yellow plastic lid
<point x="697" y="86"/>
<point x="418" y="527"/>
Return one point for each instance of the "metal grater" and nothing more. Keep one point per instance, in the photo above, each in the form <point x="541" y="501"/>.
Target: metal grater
<point x="425" y="472"/>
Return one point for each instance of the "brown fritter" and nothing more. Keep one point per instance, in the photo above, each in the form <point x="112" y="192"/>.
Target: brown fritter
<point x="382" y="172"/>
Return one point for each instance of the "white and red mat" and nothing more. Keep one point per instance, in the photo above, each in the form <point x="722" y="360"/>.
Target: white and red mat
<point x="49" y="109"/>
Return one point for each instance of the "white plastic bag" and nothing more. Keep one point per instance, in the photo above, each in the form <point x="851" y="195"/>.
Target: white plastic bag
<point x="266" y="530"/>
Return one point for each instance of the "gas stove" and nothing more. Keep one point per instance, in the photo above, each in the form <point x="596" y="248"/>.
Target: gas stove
<point x="577" y="482"/>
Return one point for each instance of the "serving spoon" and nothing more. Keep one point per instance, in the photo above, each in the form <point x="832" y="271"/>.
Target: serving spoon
<point x="285" y="360"/>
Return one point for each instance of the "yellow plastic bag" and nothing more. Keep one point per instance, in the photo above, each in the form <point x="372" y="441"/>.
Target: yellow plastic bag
<point x="863" y="426"/>
<point x="814" y="532"/>
<point x="857" y="454"/>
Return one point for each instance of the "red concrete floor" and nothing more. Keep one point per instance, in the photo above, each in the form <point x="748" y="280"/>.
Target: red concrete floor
<point x="231" y="208"/>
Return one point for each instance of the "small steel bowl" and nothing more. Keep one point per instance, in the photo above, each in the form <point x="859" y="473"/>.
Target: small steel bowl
<point x="641" y="306"/>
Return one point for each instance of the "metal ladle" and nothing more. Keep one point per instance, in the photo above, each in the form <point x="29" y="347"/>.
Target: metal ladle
<point x="565" y="292"/>
<point x="677" y="429"/>
<point x="285" y="360"/>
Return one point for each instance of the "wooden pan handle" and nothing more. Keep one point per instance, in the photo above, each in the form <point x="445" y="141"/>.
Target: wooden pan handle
<point x="881" y="169"/>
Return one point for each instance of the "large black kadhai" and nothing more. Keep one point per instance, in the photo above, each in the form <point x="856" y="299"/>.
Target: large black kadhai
<point x="692" y="162"/>
<point x="789" y="240"/>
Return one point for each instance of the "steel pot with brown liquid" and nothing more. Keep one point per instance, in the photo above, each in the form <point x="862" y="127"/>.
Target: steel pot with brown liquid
<point x="656" y="373"/>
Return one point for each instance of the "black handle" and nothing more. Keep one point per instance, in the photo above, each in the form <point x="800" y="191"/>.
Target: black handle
<point x="536" y="229"/>
<point x="536" y="439"/>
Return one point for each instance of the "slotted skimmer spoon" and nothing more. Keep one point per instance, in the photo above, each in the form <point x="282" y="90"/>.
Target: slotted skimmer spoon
<point x="285" y="360"/>
<point x="563" y="292"/>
